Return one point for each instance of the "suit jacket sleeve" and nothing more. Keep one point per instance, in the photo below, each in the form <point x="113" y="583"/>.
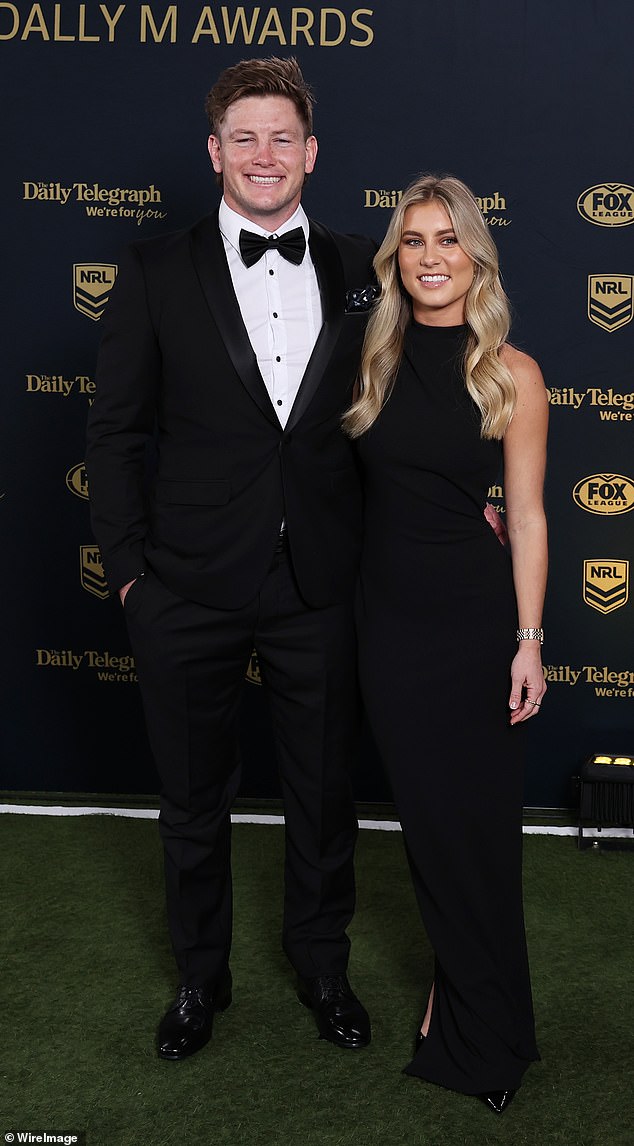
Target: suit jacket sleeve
<point x="121" y="424"/>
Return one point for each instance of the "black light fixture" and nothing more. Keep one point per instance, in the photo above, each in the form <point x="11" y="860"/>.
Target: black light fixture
<point x="606" y="793"/>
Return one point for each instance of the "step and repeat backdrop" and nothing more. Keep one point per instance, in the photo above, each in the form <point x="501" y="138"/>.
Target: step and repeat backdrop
<point x="105" y="142"/>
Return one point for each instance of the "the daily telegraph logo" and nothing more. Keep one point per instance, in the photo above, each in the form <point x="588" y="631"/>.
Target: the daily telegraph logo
<point x="138" y="203"/>
<point x="490" y="205"/>
<point x="92" y="283"/>
<point x="610" y="300"/>
<point x="610" y="404"/>
<point x="92" y="576"/>
<point x="607" y="204"/>
<point x="605" y="494"/>
<point x="606" y="681"/>
<point x="109" y="667"/>
<point x="60" y="385"/>
<point x="495" y="497"/>
<point x="77" y="481"/>
<point x="606" y="583"/>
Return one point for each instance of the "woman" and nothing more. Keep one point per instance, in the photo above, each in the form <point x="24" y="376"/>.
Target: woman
<point x="449" y="628"/>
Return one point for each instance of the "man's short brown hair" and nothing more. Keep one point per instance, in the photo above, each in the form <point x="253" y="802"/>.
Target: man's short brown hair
<point x="270" y="76"/>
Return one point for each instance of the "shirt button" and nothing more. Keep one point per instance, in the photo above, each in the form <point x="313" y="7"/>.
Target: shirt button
<point x="279" y="402"/>
<point x="271" y="272"/>
<point x="278" y="359"/>
<point x="274" y="314"/>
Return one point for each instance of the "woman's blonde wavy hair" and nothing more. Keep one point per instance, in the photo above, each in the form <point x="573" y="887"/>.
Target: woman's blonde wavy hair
<point x="487" y="379"/>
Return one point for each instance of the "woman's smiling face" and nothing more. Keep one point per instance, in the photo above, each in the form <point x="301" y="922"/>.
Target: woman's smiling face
<point x="435" y="271"/>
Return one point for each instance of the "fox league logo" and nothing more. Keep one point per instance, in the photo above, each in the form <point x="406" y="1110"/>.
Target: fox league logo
<point x="607" y="204"/>
<point x="77" y="481"/>
<point x="604" y="494"/>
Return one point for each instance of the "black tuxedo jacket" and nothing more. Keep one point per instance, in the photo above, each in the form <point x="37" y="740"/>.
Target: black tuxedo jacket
<point x="175" y="362"/>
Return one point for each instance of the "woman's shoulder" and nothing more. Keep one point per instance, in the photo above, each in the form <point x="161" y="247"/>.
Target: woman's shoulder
<point x="525" y="370"/>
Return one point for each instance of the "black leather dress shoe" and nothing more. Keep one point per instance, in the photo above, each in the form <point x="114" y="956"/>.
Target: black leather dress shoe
<point x="419" y="1039"/>
<point x="497" y="1100"/>
<point x="186" y="1027"/>
<point x="340" y="1016"/>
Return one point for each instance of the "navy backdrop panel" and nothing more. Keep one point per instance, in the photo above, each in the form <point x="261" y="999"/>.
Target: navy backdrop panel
<point x="105" y="141"/>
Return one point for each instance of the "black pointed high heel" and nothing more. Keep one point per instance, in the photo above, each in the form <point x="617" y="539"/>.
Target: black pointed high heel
<point x="497" y="1100"/>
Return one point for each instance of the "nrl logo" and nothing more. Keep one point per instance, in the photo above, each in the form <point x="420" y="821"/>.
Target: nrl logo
<point x="92" y="283"/>
<point x="93" y="578"/>
<point x="606" y="583"/>
<point x="610" y="300"/>
<point x="253" y="671"/>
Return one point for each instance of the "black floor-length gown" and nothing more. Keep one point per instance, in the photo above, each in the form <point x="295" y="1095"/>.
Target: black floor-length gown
<point x="437" y="619"/>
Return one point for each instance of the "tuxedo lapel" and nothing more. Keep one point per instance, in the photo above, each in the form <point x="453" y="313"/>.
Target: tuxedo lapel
<point x="329" y="272"/>
<point x="210" y="261"/>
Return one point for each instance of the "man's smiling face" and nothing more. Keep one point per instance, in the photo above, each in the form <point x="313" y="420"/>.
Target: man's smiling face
<point x="264" y="157"/>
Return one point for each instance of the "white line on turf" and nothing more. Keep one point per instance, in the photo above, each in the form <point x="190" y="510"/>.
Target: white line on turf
<point x="253" y="818"/>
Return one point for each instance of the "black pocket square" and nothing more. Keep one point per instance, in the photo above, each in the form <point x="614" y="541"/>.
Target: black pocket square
<point x="361" y="298"/>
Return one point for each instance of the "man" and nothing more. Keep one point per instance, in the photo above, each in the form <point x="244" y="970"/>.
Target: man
<point x="237" y="343"/>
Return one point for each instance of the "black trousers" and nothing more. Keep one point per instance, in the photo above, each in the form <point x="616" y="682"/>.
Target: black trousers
<point x="191" y="663"/>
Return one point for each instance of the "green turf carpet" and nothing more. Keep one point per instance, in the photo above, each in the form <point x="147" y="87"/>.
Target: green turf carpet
<point x="87" y="973"/>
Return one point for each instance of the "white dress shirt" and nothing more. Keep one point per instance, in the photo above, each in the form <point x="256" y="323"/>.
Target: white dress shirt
<point x="280" y="306"/>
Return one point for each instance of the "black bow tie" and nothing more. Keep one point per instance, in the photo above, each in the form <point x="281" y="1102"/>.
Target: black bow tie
<point x="292" y="246"/>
